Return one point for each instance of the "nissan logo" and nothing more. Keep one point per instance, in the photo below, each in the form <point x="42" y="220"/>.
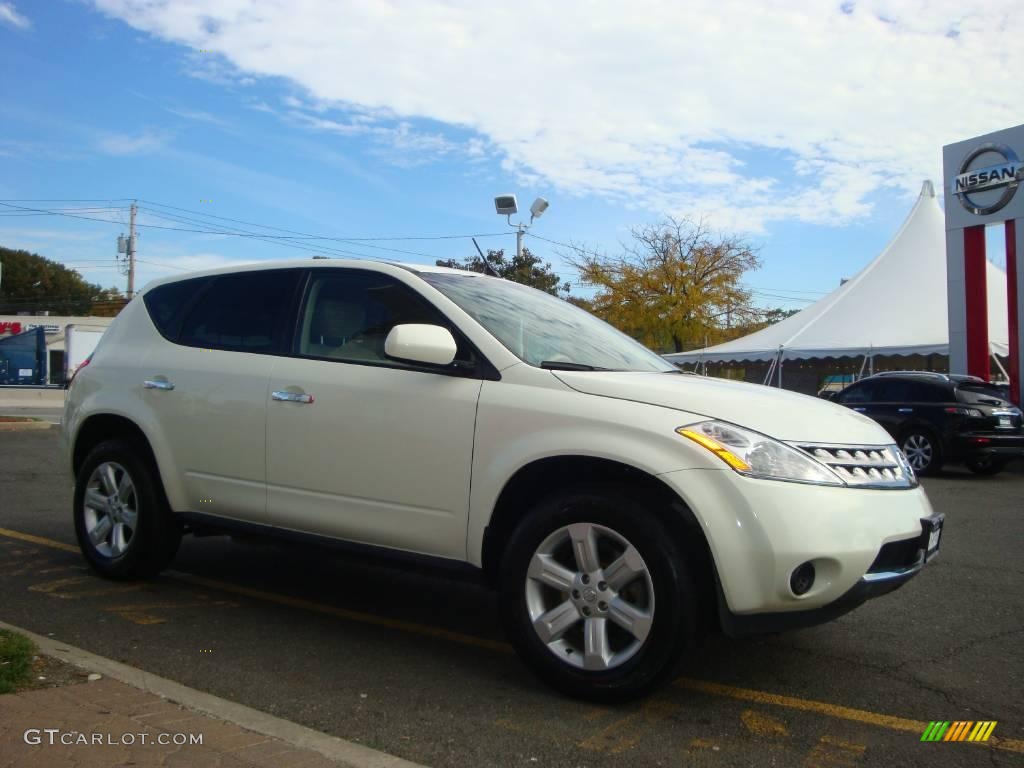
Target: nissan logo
<point x="1006" y="174"/>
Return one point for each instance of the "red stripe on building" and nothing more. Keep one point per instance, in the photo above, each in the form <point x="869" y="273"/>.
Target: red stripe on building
<point x="976" y="295"/>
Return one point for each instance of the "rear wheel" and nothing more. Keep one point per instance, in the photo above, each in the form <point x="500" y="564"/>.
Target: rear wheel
<point x="122" y="522"/>
<point x="922" y="451"/>
<point x="596" y="596"/>
<point x="986" y="465"/>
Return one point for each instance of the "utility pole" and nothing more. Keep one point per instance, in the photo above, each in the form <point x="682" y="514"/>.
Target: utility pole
<point x="131" y="251"/>
<point x="519" y="244"/>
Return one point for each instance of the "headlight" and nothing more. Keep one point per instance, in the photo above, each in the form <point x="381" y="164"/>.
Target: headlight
<point x="757" y="455"/>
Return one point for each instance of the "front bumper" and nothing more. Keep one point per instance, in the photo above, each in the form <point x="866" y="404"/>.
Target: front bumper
<point x="896" y="564"/>
<point x="760" y="531"/>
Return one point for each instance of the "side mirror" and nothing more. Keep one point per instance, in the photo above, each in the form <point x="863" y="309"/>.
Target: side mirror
<point x="420" y="343"/>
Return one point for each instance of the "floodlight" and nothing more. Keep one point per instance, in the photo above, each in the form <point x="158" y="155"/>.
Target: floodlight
<point x="505" y="205"/>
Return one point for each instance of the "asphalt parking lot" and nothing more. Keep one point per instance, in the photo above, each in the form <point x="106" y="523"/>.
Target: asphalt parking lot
<point x="414" y="663"/>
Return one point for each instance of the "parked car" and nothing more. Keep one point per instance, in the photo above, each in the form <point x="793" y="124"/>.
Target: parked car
<point x="620" y="509"/>
<point x="938" y="418"/>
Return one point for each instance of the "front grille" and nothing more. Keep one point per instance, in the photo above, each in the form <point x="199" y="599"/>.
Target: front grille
<point x="864" y="466"/>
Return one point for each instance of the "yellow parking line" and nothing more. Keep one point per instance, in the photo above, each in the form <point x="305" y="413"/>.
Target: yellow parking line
<point x="37" y="540"/>
<point x="837" y="711"/>
<point x="831" y="710"/>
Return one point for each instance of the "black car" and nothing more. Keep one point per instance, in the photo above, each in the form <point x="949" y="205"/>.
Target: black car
<point x="938" y="418"/>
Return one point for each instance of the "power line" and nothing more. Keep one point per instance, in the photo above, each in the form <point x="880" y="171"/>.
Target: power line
<point x="237" y="232"/>
<point x="317" y="237"/>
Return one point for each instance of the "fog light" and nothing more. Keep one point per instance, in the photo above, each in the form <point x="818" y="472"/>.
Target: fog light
<point x="802" y="579"/>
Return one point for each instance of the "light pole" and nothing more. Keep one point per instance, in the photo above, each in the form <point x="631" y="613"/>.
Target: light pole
<point x="506" y="205"/>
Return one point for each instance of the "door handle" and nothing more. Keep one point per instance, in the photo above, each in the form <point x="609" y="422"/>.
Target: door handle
<point x="167" y="386"/>
<point x="291" y="397"/>
<point x="905" y="410"/>
<point x="860" y="410"/>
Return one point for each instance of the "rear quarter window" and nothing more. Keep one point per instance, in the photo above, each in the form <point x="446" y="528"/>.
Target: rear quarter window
<point x="167" y="303"/>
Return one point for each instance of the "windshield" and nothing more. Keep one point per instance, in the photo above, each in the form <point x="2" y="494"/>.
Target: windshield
<point x="543" y="330"/>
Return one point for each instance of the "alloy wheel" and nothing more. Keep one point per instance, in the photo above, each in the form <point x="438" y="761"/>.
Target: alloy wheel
<point x="590" y="596"/>
<point x="918" y="450"/>
<point x="111" y="509"/>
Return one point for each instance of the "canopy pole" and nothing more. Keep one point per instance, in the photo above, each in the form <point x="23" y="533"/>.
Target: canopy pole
<point x="1000" y="366"/>
<point x="871" y="360"/>
<point x="780" y="367"/>
<point x="771" y="371"/>
<point x="863" y="363"/>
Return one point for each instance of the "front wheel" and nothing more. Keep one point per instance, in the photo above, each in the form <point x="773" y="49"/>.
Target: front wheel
<point x="122" y="522"/>
<point x="596" y="596"/>
<point x="986" y="465"/>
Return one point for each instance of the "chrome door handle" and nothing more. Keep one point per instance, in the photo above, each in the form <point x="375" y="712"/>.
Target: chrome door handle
<point x="905" y="410"/>
<point x="158" y="384"/>
<point x="291" y="397"/>
<point x="860" y="410"/>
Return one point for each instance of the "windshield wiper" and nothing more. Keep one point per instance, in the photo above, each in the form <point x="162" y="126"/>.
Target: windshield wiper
<point x="559" y="365"/>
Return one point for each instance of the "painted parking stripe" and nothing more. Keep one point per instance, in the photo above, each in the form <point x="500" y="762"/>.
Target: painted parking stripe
<point x="837" y="711"/>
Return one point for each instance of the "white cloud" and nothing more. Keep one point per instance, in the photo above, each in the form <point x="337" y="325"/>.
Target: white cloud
<point x="661" y="104"/>
<point x="10" y="15"/>
<point x="138" y="144"/>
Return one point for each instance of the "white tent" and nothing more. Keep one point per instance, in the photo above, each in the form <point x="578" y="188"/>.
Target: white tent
<point x="896" y="305"/>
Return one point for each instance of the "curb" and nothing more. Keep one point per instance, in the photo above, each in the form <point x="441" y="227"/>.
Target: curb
<point x="24" y="426"/>
<point x="345" y="753"/>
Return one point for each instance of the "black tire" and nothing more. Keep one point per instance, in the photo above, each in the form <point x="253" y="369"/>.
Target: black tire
<point x="672" y="629"/>
<point x="913" y="441"/>
<point x="153" y="542"/>
<point x="986" y="465"/>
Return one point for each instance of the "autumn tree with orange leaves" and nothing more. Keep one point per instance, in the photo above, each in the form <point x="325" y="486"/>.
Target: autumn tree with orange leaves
<point x="674" y="286"/>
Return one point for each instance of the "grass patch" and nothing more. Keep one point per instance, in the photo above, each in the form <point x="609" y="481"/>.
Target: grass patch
<point x="16" y="653"/>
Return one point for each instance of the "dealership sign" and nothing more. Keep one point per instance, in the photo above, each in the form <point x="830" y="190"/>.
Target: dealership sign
<point x="17" y="327"/>
<point x="978" y="175"/>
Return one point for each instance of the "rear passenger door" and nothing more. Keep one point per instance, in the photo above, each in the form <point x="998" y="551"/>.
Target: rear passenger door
<point x="206" y="381"/>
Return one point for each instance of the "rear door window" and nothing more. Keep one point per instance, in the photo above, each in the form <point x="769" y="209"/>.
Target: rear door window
<point x="925" y="392"/>
<point x="857" y="393"/>
<point x="242" y="312"/>
<point x="893" y="391"/>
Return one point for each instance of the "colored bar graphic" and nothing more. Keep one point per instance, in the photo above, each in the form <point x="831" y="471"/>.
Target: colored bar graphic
<point x="958" y="730"/>
<point x="954" y="730"/>
<point x="935" y="730"/>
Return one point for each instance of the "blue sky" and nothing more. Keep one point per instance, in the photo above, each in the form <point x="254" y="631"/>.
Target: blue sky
<point x="811" y="133"/>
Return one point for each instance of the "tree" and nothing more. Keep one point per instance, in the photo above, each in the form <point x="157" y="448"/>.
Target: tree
<point x="528" y="270"/>
<point x="31" y="283"/>
<point x="108" y="302"/>
<point x="673" y="287"/>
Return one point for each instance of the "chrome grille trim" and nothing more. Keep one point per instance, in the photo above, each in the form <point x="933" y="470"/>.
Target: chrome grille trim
<point x="863" y="466"/>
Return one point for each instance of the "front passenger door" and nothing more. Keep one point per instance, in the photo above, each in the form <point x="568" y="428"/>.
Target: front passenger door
<point x="362" y="447"/>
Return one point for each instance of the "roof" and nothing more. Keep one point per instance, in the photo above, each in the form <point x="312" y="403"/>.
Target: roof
<point x="256" y="266"/>
<point x="896" y="305"/>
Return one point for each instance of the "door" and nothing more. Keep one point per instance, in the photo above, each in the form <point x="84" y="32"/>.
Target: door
<point x="206" y="383"/>
<point x="362" y="447"/>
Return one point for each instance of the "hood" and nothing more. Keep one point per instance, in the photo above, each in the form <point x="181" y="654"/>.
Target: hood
<point x="773" y="412"/>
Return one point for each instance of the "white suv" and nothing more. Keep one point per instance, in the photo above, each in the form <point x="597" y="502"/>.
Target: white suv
<point x="620" y="507"/>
